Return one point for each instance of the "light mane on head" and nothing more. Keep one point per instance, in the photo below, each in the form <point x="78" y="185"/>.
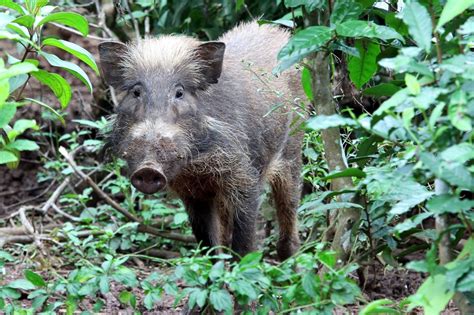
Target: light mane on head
<point x="167" y="54"/>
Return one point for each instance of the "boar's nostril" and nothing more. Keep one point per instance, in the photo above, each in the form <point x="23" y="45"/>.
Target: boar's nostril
<point x="148" y="180"/>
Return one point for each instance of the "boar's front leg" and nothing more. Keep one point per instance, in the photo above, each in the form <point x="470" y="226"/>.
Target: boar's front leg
<point x="244" y="221"/>
<point x="203" y="221"/>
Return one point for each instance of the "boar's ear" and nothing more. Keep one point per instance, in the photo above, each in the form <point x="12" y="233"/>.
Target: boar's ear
<point x="110" y="55"/>
<point x="211" y="54"/>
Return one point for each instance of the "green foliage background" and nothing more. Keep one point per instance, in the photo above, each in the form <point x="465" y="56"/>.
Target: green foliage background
<point x="410" y="162"/>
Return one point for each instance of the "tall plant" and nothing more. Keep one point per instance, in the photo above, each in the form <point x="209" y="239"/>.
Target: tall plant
<point x="23" y="24"/>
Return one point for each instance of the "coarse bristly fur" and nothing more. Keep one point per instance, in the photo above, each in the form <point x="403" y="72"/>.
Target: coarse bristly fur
<point x="224" y="138"/>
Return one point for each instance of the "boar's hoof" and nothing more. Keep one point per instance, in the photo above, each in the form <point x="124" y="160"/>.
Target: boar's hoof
<point x="148" y="180"/>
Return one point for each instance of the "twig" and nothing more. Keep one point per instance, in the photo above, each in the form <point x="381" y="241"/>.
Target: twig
<point x="52" y="200"/>
<point x="67" y="215"/>
<point x="136" y="28"/>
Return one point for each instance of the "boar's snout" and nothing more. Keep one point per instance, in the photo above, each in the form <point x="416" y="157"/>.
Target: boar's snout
<point x="148" y="180"/>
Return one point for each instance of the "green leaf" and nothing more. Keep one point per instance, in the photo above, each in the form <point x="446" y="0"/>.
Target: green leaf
<point x="217" y="270"/>
<point x="197" y="296"/>
<point x="57" y="84"/>
<point x="75" y="50"/>
<point x="378" y="307"/>
<point x="21" y="284"/>
<point x="12" y="5"/>
<point x="363" y="68"/>
<point x="25" y="20"/>
<point x="244" y="288"/>
<point x="345" y="10"/>
<point x="446" y="203"/>
<point x="23" y="145"/>
<point x="328" y="258"/>
<point x="453" y="173"/>
<point x="412" y="84"/>
<point x="7" y="112"/>
<point x="221" y="300"/>
<point x="357" y="29"/>
<point x="310" y="5"/>
<point x="74" y="69"/>
<point x="70" y="19"/>
<point x="306" y="83"/>
<point x="34" y="278"/>
<point x="21" y="125"/>
<point x="7" y="157"/>
<point x="17" y="69"/>
<point x="251" y="259"/>
<point x="459" y="153"/>
<point x="419" y="24"/>
<point x="348" y="172"/>
<point x="301" y="44"/>
<point x="451" y="9"/>
<point x="323" y="122"/>
<point x="383" y="89"/>
<point x="310" y="284"/>
<point x="433" y="295"/>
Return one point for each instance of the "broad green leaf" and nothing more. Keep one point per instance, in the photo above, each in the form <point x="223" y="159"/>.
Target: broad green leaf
<point x="19" y="29"/>
<point x="348" y="172"/>
<point x="310" y="5"/>
<point x="7" y="112"/>
<point x="412" y="84"/>
<point x="57" y="84"/>
<point x="363" y="68"/>
<point x="446" y="203"/>
<point x="21" y="125"/>
<point x="75" y="50"/>
<point x="17" y="69"/>
<point x="12" y="5"/>
<point x="34" y="278"/>
<point x="383" y="89"/>
<point x="74" y="69"/>
<point x="459" y="153"/>
<point x="197" y="297"/>
<point x="309" y="282"/>
<point x="217" y="270"/>
<point x="378" y="307"/>
<point x="451" y="9"/>
<point x="453" y="173"/>
<point x="7" y="157"/>
<point x="358" y="29"/>
<point x="220" y="300"/>
<point x="306" y="83"/>
<point x="433" y="295"/>
<point x="419" y="24"/>
<point x="251" y="259"/>
<point x="25" y="20"/>
<point x="328" y="258"/>
<point x="23" y="145"/>
<point x="21" y="284"/>
<point x="301" y="44"/>
<point x="323" y="122"/>
<point x="345" y="10"/>
<point x="70" y="19"/>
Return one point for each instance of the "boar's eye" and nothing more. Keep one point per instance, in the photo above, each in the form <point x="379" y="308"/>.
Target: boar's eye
<point x="136" y="91"/>
<point x="179" y="94"/>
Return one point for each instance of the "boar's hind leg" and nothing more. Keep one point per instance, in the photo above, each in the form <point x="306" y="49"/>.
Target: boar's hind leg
<point x="286" y="190"/>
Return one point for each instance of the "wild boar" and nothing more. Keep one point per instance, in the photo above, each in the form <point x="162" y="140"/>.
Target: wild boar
<point x="208" y="121"/>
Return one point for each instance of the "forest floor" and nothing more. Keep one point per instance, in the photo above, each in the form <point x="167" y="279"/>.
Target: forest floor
<point x="20" y="187"/>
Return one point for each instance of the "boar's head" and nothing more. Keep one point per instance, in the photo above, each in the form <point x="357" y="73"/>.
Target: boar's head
<point x="159" y="125"/>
